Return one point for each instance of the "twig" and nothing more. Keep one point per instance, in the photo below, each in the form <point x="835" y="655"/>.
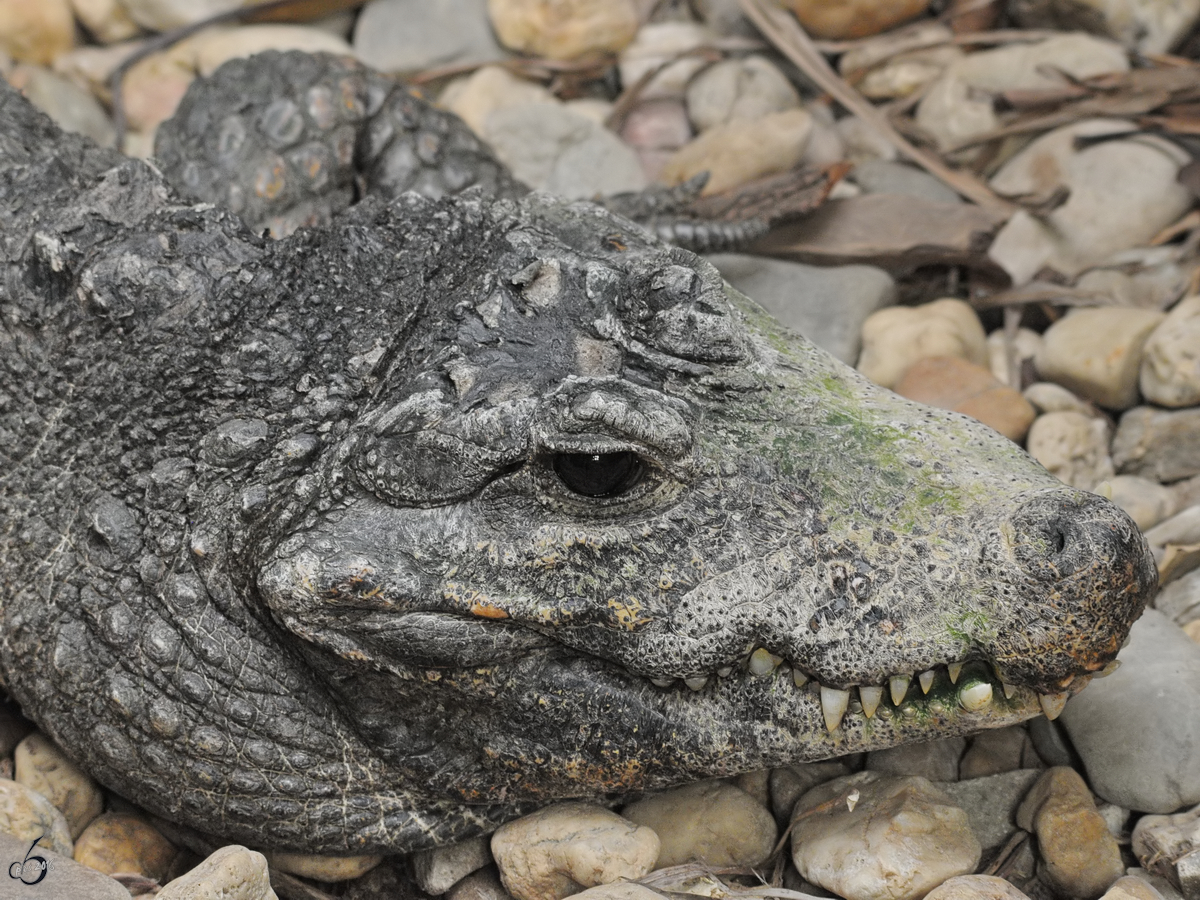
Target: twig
<point x="791" y="40"/>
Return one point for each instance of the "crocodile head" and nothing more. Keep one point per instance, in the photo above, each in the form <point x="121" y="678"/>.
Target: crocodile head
<point x="600" y="524"/>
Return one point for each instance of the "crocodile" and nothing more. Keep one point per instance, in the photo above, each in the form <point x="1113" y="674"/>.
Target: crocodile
<point x="373" y="537"/>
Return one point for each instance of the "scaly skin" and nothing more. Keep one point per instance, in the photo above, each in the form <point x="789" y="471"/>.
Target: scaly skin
<point x="300" y="542"/>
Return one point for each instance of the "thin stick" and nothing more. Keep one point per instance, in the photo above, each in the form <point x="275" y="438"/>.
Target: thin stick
<point x="785" y="33"/>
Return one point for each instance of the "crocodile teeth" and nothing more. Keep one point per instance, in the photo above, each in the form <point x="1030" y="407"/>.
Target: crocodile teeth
<point x="1109" y="669"/>
<point x="1052" y="704"/>
<point x="697" y="683"/>
<point x="954" y="670"/>
<point x="799" y="678"/>
<point x="926" y="679"/>
<point x="870" y="695"/>
<point x="1009" y="689"/>
<point x="661" y="682"/>
<point x="899" y="687"/>
<point x="764" y="662"/>
<point x="976" y="696"/>
<point x="833" y="705"/>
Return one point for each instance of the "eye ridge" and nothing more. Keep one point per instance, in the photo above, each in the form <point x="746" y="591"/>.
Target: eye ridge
<point x="599" y="475"/>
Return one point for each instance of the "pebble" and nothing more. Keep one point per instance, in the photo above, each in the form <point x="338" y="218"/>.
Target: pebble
<point x="1130" y="887"/>
<point x="1180" y="600"/>
<point x="1153" y="283"/>
<point x="934" y="760"/>
<point x="26" y="814"/>
<point x="1080" y="858"/>
<point x="475" y="97"/>
<point x="895" y="338"/>
<point x="213" y="47"/>
<point x="231" y="873"/>
<point x="1170" y="373"/>
<point x="1160" y="444"/>
<point x="1148" y="26"/>
<point x="481" y="885"/>
<point x="411" y="35"/>
<point x="621" y="890"/>
<point x="154" y="86"/>
<point x="1097" y="353"/>
<point x="789" y="783"/>
<point x="1122" y="193"/>
<point x="165" y="15"/>
<point x="1137" y="746"/>
<point x="1046" y="396"/>
<point x="105" y="20"/>
<point x="1158" y="841"/>
<point x="1072" y="446"/>
<point x="746" y="88"/>
<point x="991" y="803"/>
<point x="711" y="822"/>
<point x="319" y="867"/>
<point x="564" y="29"/>
<point x="1181" y="528"/>
<point x="65" y="879"/>
<point x="976" y="887"/>
<point x="1146" y="501"/>
<point x="826" y="304"/>
<point x="119" y="842"/>
<point x="825" y="145"/>
<point x="653" y="47"/>
<point x="438" y="869"/>
<point x="902" y="838"/>
<point x="553" y="149"/>
<point x="739" y="152"/>
<point x="948" y="382"/>
<point x="993" y="752"/>
<point x="881" y="176"/>
<point x="43" y="768"/>
<point x="1026" y="343"/>
<point x="959" y="105"/>
<point x="906" y="73"/>
<point x="842" y="19"/>
<point x="564" y="848"/>
<point x="655" y="129"/>
<point x="757" y="784"/>
<point x="36" y="32"/>
<point x="863" y="142"/>
<point x="70" y="106"/>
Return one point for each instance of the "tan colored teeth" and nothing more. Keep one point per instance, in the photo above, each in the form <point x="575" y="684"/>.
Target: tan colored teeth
<point x="899" y="687"/>
<point x="976" y="696"/>
<point x="1052" y="704"/>
<point x="870" y="695"/>
<point x="954" y="670"/>
<point x="1109" y="669"/>
<point x="926" y="679"/>
<point x="1009" y="689"/>
<point x="697" y="683"/>
<point x="833" y="706"/>
<point x="799" y="678"/>
<point x="763" y="662"/>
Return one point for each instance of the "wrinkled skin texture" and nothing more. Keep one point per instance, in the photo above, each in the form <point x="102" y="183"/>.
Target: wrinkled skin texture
<point x="302" y="543"/>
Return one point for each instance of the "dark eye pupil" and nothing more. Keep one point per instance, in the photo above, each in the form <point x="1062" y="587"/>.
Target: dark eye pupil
<point x="598" y="474"/>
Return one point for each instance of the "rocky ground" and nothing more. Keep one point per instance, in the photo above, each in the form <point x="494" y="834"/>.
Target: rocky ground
<point x="1014" y="236"/>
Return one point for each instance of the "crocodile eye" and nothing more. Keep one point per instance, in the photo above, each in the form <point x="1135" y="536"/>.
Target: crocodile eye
<point x="599" y="474"/>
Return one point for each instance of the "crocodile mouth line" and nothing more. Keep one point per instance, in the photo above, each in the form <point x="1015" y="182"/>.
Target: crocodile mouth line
<point x="971" y="685"/>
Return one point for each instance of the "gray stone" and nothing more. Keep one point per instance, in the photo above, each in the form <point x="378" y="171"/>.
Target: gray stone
<point x="70" y="106"/>
<point x="437" y="870"/>
<point x="1180" y="600"/>
<point x="789" y="783"/>
<point x="230" y="873"/>
<point x="935" y="760"/>
<point x="64" y="878"/>
<point x="408" y="35"/>
<point x="828" y="305"/>
<point x="993" y="752"/>
<point x="482" y="885"/>
<point x="553" y="149"/>
<point x="1136" y="730"/>
<point x="880" y="176"/>
<point x="991" y="802"/>
<point x="1181" y="528"/>
<point x="1160" y="444"/>
<point x="1051" y="742"/>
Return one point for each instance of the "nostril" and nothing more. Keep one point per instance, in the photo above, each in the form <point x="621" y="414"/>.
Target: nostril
<point x="1058" y="540"/>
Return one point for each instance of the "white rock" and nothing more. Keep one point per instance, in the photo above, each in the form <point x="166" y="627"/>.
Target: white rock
<point x="1026" y="344"/>
<point x="976" y="887"/>
<point x="231" y="873"/>
<point x="43" y="768"/>
<point x="438" y="869"/>
<point x="1122" y="193"/>
<point x="409" y="35"/>
<point x="553" y="149"/>
<point x="1170" y="374"/>
<point x="1140" y="276"/>
<point x="71" y="107"/>
<point x="653" y="46"/>
<point x="564" y="29"/>
<point x="1097" y="353"/>
<point x="1148" y="26"/>
<point x="825" y="145"/>
<point x="896" y="337"/>
<point x="907" y="73"/>
<point x="1146" y="501"/>
<point x="1074" y="447"/>
<point x="746" y="88"/>
<point x="902" y="838"/>
<point x="1046" y="396"/>
<point x="164" y="15"/>
<point x="564" y="848"/>
<point x="475" y="97"/>
<point x="710" y="822"/>
<point x="959" y="105"/>
<point x="863" y="142"/>
<point x="106" y="20"/>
